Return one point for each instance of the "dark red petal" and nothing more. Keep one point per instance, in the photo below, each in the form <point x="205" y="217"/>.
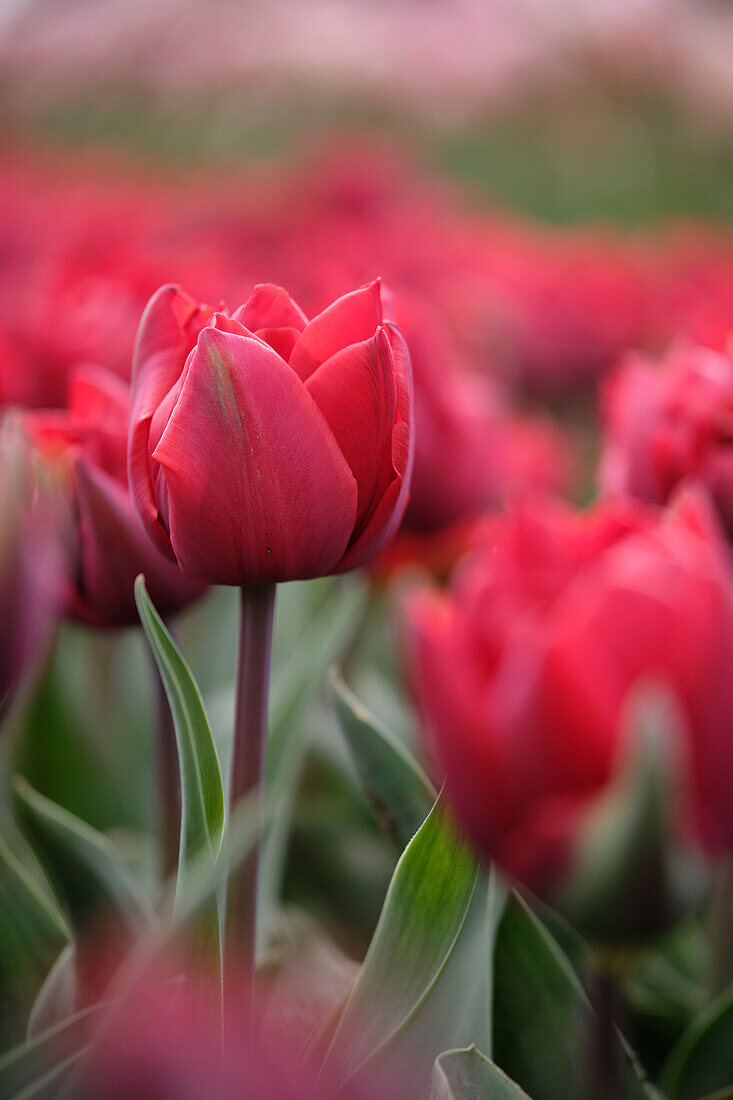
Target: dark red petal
<point x="281" y="340"/>
<point x="269" y="306"/>
<point x="348" y="320"/>
<point x="113" y="550"/>
<point x="387" y="516"/>
<point x="168" y="330"/>
<point x="258" y="489"/>
<point x="355" y="390"/>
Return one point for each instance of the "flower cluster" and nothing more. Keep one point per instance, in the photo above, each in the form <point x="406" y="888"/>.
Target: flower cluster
<point x="419" y="396"/>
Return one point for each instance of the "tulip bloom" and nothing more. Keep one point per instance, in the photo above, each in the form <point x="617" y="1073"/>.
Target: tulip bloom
<point x="522" y="671"/>
<point x="266" y="447"/>
<point x="470" y="450"/>
<point x="106" y="548"/>
<point x="665" y="422"/>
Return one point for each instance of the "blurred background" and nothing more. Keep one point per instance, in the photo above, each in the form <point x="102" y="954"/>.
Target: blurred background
<point x="561" y="109"/>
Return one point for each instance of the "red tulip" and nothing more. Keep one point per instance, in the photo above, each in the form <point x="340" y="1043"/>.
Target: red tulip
<point x="523" y="668"/>
<point x="107" y="548"/>
<point x="470" y="450"/>
<point x="266" y="447"/>
<point x="665" y="422"/>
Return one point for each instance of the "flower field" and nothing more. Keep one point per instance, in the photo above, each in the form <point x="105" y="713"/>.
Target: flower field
<point x="366" y="506"/>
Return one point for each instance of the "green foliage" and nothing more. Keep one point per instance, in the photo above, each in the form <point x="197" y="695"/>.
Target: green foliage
<point x="541" y="1014"/>
<point x="394" y="784"/>
<point x="83" y="865"/>
<point x="32" y="932"/>
<point x="702" y="1060"/>
<point x="468" y="1075"/>
<point x="202" y="795"/>
<point x="27" y="1067"/>
<point x="421" y="921"/>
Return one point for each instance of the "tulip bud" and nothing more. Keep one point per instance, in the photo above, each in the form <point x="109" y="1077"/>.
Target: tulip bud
<point x="85" y="448"/>
<point x="28" y="561"/>
<point x="668" y="421"/>
<point x="265" y="447"/>
<point x="524" y="673"/>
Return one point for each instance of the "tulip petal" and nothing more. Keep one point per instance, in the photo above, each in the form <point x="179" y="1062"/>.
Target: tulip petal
<point x="281" y="340"/>
<point x="349" y="320"/>
<point x="355" y="390"/>
<point x="113" y="550"/>
<point x="387" y="515"/>
<point x="258" y="489"/>
<point x="168" y="330"/>
<point x="269" y="306"/>
<point x="96" y="393"/>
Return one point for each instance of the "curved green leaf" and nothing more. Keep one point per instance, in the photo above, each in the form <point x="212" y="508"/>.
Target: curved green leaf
<point x="540" y="1010"/>
<point x="421" y="920"/>
<point x="28" y="1063"/>
<point x="32" y="932"/>
<point x="327" y="635"/>
<point x="396" y="787"/>
<point x="202" y="795"/>
<point x="85" y="868"/>
<point x="57" y="997"/>
<point x="702" y="1060"/>
<point x="467" y="1075"/>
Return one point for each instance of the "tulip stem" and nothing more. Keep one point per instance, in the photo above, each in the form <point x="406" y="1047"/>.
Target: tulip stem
<point x="248" y="757"/>
<point x="721" y="929"/>
<point x="169" y="781"/>
<point x="603" y="1067"/>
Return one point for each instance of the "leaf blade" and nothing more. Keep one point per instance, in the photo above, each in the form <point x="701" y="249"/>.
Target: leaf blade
<point x="88" y="873"/>
<point x="396" y="787"/>
<point x="423" y="914"/>
<point x="202" y="793"/>
<point x="466" y="1074"/>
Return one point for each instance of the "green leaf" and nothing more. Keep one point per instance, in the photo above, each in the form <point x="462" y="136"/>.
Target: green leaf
<point x="329" y="631"/>
<point x="467" y="1075"/>
<point x="83" y="865"/>
<point x="540" y="1010"/>
<point x="702" y="1060"/>
<point x="26" y="1065"/>
<point x="202" y="795"/>
<point x="458" y="1010"/>
<point x="423" y="914"/>
<point x="57" y="997"/>
<point x="396" y="787"/>
<point x="32" y="932"/>
<point x="83" y="735"/>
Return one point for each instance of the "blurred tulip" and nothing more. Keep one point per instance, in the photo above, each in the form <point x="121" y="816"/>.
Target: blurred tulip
<point x="266" y="447"/>
<point x="666" y="421"/>
<point x="523" y="669"/>
<point x="470" y="450"/>
<point x="106" y="547"/>
<point x="28" y="561"/>
<point x="165" y="1043"/>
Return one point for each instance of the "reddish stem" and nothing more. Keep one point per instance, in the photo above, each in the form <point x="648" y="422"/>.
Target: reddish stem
<point x="248" y="757"/>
